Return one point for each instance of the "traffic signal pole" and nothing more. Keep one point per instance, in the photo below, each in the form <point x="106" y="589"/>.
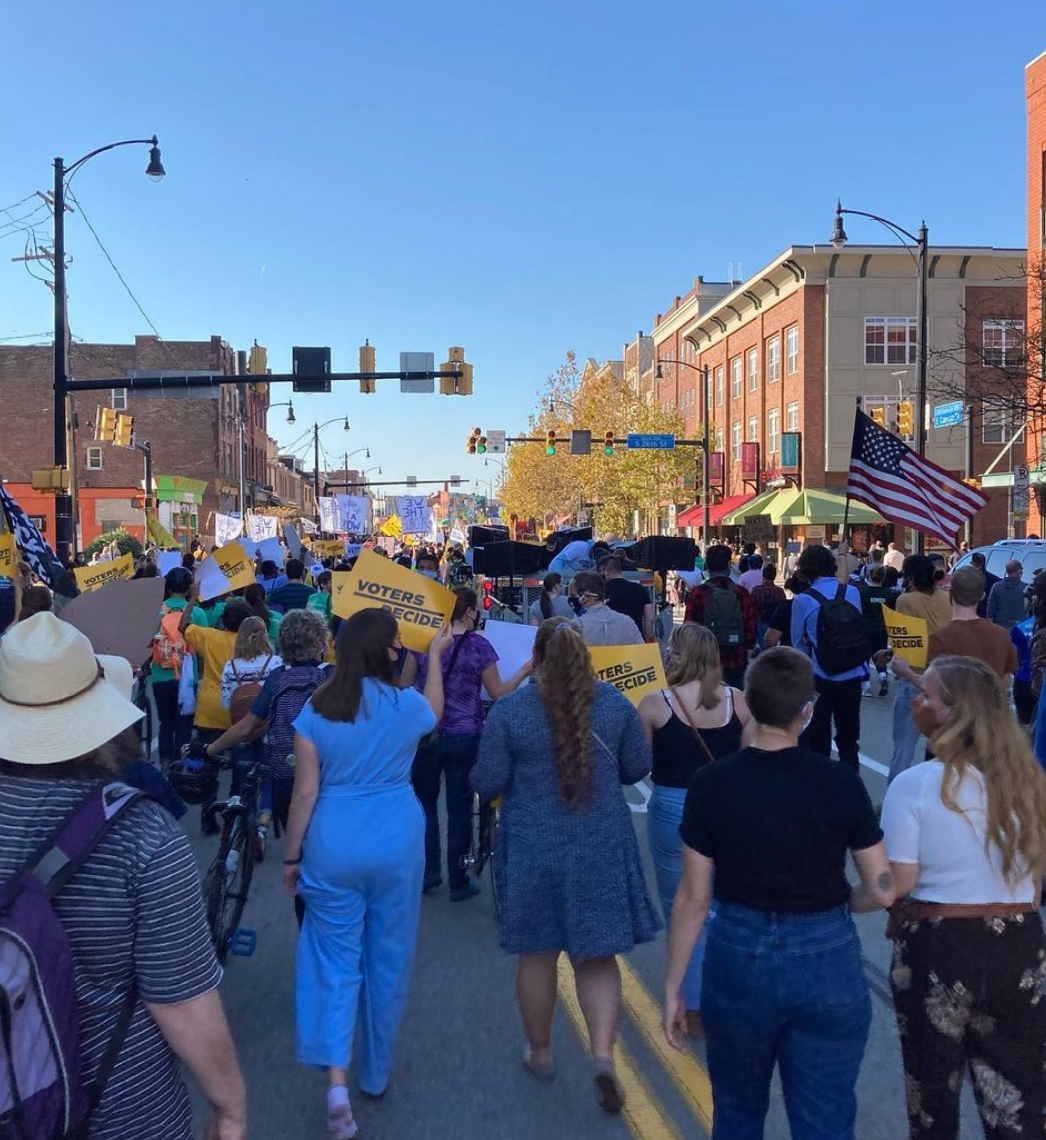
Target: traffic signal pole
<point x="177" y="382"/>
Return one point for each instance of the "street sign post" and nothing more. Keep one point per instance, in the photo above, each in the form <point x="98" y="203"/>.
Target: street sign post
<point x="417" y="362"/>
<point x="948" y="415"/>
<point x="1021" y="479"/>
<point x="412" y="480"/>
<point x="496" y="442"/>
<point x="651" y="442"/>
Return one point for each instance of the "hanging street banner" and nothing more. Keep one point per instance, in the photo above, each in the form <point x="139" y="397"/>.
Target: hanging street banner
<point x="416" y="516"/>
<point x="909" y="637"/>
<point x="226" y="528"/>
<point x="227" y="569"/>
<point x="8" y="556"/>
<point x="634" y="670"/>
<point x="95" y="577"/>
<point x="420" y="605"/>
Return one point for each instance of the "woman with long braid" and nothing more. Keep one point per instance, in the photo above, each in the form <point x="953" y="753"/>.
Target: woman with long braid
<point x="567" y="862"/>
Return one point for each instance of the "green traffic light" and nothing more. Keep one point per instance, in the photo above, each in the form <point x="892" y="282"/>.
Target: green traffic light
<point x="550" y="451"/>
<point x="608" y="450"/>
<point x="482" y="449"/>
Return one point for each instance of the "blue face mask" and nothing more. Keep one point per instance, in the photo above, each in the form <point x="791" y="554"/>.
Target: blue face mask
<point x="429" y="574"/>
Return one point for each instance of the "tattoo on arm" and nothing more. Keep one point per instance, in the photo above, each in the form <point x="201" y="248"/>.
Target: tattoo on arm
<point x="885" y="881"/>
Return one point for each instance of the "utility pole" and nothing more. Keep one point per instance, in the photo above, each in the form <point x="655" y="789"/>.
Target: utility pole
<point x="316" y="463"/>
<point x="923" y="325"/>
<point x="63" y="503"/>
<point x="706" y="467"/>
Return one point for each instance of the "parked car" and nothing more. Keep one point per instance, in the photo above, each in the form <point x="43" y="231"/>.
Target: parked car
<point x="1029" y="552"/>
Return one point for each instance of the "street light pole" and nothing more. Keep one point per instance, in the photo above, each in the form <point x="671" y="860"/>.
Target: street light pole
<point x="706" y="467"/>
<point x="64" y="530"/>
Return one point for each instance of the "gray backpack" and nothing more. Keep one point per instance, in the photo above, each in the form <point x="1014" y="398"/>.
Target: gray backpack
<point x="723" y="616"/>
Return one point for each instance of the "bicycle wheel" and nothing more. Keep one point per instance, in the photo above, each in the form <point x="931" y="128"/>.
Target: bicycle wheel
<point x="228" y="882"/>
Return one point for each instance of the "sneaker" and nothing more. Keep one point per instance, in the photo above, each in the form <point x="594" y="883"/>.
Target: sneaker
<point x="460" y="894"/>
<point x="884" y="687"/>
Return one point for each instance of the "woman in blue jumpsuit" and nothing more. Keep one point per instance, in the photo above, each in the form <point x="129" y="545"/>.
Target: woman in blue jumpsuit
<point x="356" y="854"/>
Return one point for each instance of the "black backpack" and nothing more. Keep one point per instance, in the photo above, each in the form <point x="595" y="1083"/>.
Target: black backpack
<point x="723" y="616"/>
<point x="842" y="637"/>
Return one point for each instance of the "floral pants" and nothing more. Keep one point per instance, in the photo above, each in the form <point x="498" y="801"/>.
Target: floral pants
<point x="971" y="993"/>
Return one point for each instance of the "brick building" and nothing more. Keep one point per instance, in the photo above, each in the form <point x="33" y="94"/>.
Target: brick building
<point x="793" y="348"/>
<point x="1035" y="92"/>
<point x="194" y="435"/>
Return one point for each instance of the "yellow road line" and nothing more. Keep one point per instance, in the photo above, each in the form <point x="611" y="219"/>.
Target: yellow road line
<point x="643" y="1114"/>
<point x="684" y="1068"/>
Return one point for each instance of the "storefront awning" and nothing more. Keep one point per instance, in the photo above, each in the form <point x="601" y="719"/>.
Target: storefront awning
<point x="179" y="489"/>
<point x="752" y="505"/>
<point x="816" y="507"/>
<point x="694" y="516"/>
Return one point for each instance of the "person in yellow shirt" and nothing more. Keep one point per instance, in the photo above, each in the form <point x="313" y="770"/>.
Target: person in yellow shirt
<point x="215" y="647"/>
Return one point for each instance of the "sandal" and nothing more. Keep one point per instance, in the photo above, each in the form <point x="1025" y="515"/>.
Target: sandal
<point x="542" y="1070"/>
<point x="340" y="1122"/>
<point x="609" y="1092"/>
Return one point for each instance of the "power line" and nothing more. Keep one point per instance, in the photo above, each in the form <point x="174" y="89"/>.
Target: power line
<point x="15" y="205"/>
<point x="25" y="336"/>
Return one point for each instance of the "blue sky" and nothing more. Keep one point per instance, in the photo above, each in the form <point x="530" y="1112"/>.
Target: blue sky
<point x="521" y="178"/>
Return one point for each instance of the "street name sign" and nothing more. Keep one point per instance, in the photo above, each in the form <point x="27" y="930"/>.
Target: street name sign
<point x="948" y="415"/>
<point x="648" y="442"/>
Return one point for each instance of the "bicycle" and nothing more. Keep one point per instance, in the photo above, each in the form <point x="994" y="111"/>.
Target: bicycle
<point x="484" y="840"/>
<point x="228" y="879"/>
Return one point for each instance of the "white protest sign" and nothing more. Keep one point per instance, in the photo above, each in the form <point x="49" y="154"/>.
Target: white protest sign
<point x="226" y="528"/>
<point x="307" y="526"/>
<point x="168" y="560"/>
<point x="261" y="527"/>
<point x="514" y="645"/>
<point x="271" y="551"/>
<point x="210" y="580"/>
<point x="328" y="513"/>
<point x="416" y="516"/>
<point x="458" y="535"/>
<point x="249" y="548"/>
<point x="352" y="513"/>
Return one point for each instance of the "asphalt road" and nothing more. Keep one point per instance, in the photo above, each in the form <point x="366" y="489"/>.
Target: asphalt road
<point x="458" y="1075"/>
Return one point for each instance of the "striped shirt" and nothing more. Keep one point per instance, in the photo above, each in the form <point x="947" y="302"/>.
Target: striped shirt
<point x="134" y="915"/>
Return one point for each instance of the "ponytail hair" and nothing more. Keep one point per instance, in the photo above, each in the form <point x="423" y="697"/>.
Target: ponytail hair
<point x="547" y="586"/>
<point x="252" y="639"/>
<point x="567" y="684"/>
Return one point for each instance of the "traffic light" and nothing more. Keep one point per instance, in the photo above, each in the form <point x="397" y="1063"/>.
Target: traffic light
<point x="456" y="385"/>
<point x="124" y="430"/>
<point x="608" y="443"/>
<point x="879" y="415"/>
<point x="367" y="387"/>
<point x="258" y="361"/>
<point x="904" y="418"/>
<point x="465" y="380"/>
<point x="105" y="425"/>
<point x="481" y="445"/>
<point x="550" y="441"/>
<point x="472" y="444"/>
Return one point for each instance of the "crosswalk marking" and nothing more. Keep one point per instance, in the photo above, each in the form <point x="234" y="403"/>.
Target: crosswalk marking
<point x="644" y="1115"/>
<point x="686" y="1071"/>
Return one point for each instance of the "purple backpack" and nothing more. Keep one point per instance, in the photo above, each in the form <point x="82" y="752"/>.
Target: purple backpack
<point x="42" y="1092"/>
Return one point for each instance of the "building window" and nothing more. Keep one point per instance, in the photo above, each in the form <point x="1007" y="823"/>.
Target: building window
<point x="792" y="350"/>
<point x="120" y="399"/>
<point x="995" y="425"/>
<point x="736" y="378"/>
<point x="773" y="430"/>
<point x="94" y="459"/>
<point x="890" y="340"/>
<point x="753" y="429"/>
<point x="773" y="360"/>
<point x="753" y="370"/>
<point x="792" y="416"/>
<point x="719" y="386"/>
<point x="1003" y="342"/>
<point x="735" y="441"/>
<point x="719" y="439"/>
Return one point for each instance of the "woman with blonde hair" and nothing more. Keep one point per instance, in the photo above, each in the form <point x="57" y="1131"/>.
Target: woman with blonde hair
<point x="696" y="721"/>
<point x="966" y="838"/>
<point x="567" y="862"/>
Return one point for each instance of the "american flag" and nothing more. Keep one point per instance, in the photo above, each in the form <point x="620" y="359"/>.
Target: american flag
<point x="904" y="487"/>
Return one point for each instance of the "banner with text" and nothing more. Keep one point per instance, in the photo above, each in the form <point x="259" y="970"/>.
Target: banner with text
<point x="227" y="569"/>
<point x="351" y="514"/>
<point x="94" y="577"/>
<point x="261" y="527"/>
<point x="909" y="637"/>
<point x="634" y="670"/>
<point x="416" y="516"/>
<point x="420" y="605"/>
<point x="328" y="514"/>
<point x="226" y="528"/>
<point x="8" y="555"/>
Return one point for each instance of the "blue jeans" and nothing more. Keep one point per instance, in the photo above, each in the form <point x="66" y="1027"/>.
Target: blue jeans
<point x="664" y="814"/>
<point x="784" y="989"/>
<point x="905" y="734"/>
<point x="454" y="757"/>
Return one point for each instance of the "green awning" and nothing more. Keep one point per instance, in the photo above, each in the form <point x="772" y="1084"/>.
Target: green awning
<point x="179" y="489"/>
<point x="815" y="507"/>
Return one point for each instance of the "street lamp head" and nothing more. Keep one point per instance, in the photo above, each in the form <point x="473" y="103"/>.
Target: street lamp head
<point x="368" y="453"/>
<point x="290" y="413"/>
<point x="659" y="374"/>
<point x="345" y="427"/>
<point x="155" y="168"/>
<point x="838" y="233"/>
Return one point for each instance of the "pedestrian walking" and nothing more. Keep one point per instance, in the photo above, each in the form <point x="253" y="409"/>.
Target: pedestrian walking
<point x="626" y="597"/>
<point x="966" y="837"/>
<point x="728" y="611"/>
<point x="600" y="625"/>
<point x="146" y="977"/>
<point x="469" y="665"/>
<point x="771" y="827"/>
<point x="551" y="602"/>
<point x="256" y="600"/>
<point x="875" y="595"/>
<point x="567" y="862"/>
<point x="1006" y="601"/>
<point x="294" y="594"/>
<point x="354" y="852"/>
<point x="767" y="596"/>
<point x="922" y="599"/>
<point x="753" y="575"/>
<point x="828" y="626"/>
<point x="695" y="722"/>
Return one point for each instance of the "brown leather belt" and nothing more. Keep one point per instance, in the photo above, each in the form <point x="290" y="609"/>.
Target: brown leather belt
<point x="912" y="910"/>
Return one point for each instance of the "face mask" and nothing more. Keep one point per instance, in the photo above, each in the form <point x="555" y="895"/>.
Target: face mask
<point x="429" y="574"/>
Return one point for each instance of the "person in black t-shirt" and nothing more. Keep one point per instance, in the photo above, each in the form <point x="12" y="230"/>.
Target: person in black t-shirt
<point x="782" y="974"/>
<point x="627" y="597"/>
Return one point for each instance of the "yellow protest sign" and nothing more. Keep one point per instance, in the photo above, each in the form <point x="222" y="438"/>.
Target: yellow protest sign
<point x="328" y="548"/>
<point x="419" y="604"/>
<point x="160" y="534"/>
<point x="94" y="577"/>
<point x="909" y="637"/>
<point x="8" y="556"/>
<point x="634" y="670"/>
<point x="392" y="527"/>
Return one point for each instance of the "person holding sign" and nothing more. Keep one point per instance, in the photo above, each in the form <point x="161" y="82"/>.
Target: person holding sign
<point x="567" y="862"/>
<point x="354" y="852"/>
<point x="697" y="721"/>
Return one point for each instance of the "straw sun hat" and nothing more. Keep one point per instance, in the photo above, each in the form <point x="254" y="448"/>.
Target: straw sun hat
<point x="58" y="699"/>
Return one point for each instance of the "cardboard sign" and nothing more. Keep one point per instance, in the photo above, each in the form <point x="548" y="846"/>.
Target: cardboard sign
<point x="226" y="528"/>
<point x="293" y="540"/>
<point x="909" y="637"/>
<point x="95" y="577"/>
<point x="8" y="556"/>
<point x="420" y="605"/>
<point x="458" y="535"/>
<point x="168" y="560"/>
<point x="634" y="670"/>
<point x="119" y="620"/>
<point x="226" y="569"/>
<point x="352" y="512"/>
<point x="328" y="548"/>
<point x="261" y="527"/>
<point x="759" y="528"/>
<point x="514" y="645"/>
<point x="416" y="516"/>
